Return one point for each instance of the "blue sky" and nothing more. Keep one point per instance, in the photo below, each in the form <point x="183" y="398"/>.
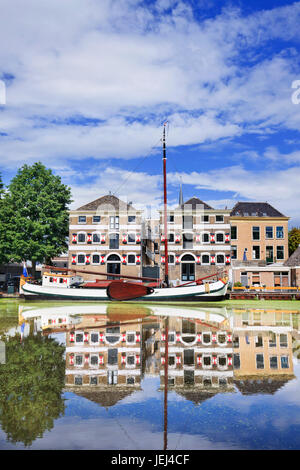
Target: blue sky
<point x="89" y="84"/>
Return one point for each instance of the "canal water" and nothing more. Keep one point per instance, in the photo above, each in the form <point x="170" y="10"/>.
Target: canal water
<point x="92" y="376"/>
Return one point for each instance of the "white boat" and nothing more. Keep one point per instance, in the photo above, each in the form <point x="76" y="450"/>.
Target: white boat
<point x="65" y="287"/>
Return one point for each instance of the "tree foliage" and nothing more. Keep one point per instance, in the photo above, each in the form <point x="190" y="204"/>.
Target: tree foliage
<point x="34" y="215"/>
<point x="294" y="240"/>
<point x="31" y="385"/>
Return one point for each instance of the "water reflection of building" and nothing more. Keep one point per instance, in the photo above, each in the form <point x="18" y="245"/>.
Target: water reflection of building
<point x="104" y="356"/>
<point x="262" y="345"/>
<point x="200" y="357"/>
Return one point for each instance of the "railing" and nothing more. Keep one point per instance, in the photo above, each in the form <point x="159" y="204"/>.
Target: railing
<point x="268" y="288"/>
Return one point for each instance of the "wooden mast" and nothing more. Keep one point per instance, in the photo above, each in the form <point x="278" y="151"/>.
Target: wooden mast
<point x="165" y="208"/>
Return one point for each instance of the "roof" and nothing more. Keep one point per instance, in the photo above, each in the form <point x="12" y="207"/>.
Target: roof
<point x="255" y="209"/>
<point x="294" y="259"/>
<point x="194" y="202"/>
<point x="109" y="201"/>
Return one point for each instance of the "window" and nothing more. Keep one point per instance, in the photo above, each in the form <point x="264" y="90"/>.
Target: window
<point x="280" y="252"/>
<point x="220" y="259"/>
<point x="112" y="358"/>
<point x="273" y="362"/>
<point x="205" y="238"/>
<point x="131" y="259"/>
<point x="205" y="259"/>
<point x="283" y="341"/>
<point x="187" y="241"/>
<point x="272" y="340"/>
<point x="171" y="259"/>
<point x="96" y="259"/>
<point x="131" y="360"/>
<point x="235" y="341"/>
<point x="96" y="219"/>
<point x="171" y="237"/>
<point x="78" y="380"/>
<point x="93" y="380"/>
<point x="259" y="341"/>
<point x="284" y="362"/>
<point x="170" y="218"/>
<point x="206" y="338"/>
<point x="114" y="241"/>
<point x="81" y="238"/>
<point x="78" y="360"/>
<point x="81" y="259"/>
<point x="112" y="377"/>
<point x="172" y="361"/>
<point x="96" y="238"/>
<point x="94" y="338"/>
<point x="279" y="232"/>
<point x="131" y="219"/>
<point x="131" y="238"/>
<point x="255" y="233"/>
<point x="260" y="361"/>
<point x="236" y="361"/>
<point x="188" y="357"/>
<point x="220" y="218"/>
<point x="222" y="361"/>
<point x="94" y="360"/>
<point x="187" y="221"/>
<point x="81" y="219"/>
<point x="269" y="232"/>
<point x="269" y="254"/>
<point x="233" y="232"/>
<point x="233" y="252"/>
<point x="220" y="237"/>
<point x="79" y="338"/>
<point x="114" y="222"/>
<point x="206" y="361"/>
<point x="130" y="338"/>
<point x="256" y="252"/>
<point x="205" y="218"/>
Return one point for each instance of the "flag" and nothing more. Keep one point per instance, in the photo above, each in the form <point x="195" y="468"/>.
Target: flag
<point x="25" y="274"/>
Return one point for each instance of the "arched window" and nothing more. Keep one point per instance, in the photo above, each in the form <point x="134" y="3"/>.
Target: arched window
<point x="113" y="258"/>
<point x="188" y="258"/>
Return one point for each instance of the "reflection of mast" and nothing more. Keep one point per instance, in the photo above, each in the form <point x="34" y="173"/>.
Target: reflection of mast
<point x="166" y="383"/>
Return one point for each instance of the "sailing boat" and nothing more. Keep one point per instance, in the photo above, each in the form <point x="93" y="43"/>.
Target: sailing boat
<point x="66" y="286"/>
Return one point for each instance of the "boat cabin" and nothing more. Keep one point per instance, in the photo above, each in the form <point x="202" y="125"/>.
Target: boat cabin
<point x="61" y="280"/>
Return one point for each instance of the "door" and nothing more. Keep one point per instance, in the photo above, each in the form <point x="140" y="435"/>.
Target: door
<point x="188" y="272"/>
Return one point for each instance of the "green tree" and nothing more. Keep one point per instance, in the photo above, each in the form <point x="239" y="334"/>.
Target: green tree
<point x="294" y="240"/>
<point x="31" y="386"/>
<point x="34" y="216"/>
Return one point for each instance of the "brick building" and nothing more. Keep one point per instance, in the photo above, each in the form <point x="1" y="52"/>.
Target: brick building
<point x="105" y="236"/>
<point x="198" y="240"/>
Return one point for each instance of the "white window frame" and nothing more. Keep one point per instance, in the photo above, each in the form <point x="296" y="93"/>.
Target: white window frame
<point x="77" y="262"/>
<point x="92" y="262"/>
<point x="79" y="220"/>
<point x="99" y="234"/>
<point x="132" y="254"/>
<point x="205" y="264"/>
<point x="220" y="264"/>
<point x="219" y="221"/>
<point x="220" y="232"/>
<point x="130" y="234"/>
<point x="206" y="333"/>
<point x="202" y="241"/>
<point x="85" y="237"/>
<point x="211" y="361"/>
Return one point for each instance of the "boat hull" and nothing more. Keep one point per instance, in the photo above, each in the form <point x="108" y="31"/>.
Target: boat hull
<point x="217" y="291"/>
